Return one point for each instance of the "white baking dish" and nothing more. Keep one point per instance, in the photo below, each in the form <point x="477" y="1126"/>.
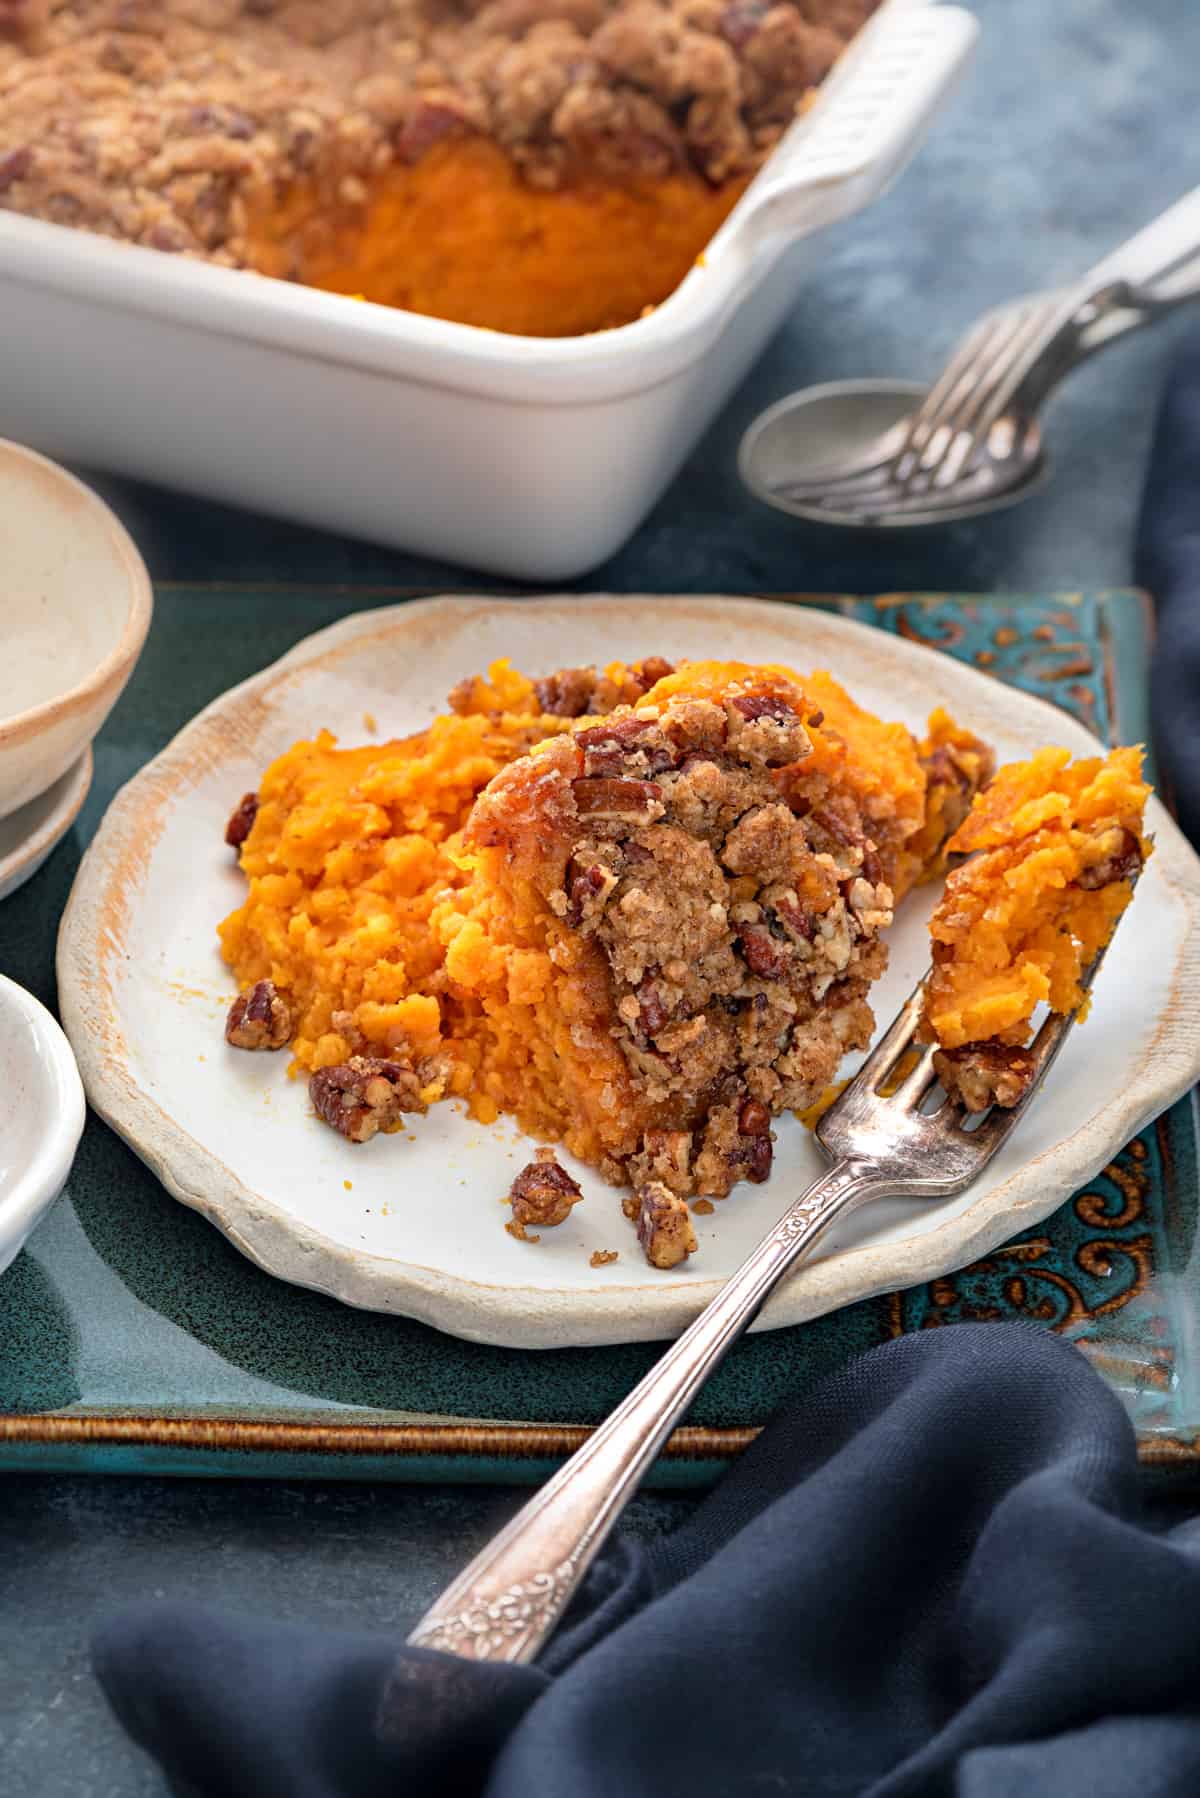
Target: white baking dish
<point x="530" y="457"/>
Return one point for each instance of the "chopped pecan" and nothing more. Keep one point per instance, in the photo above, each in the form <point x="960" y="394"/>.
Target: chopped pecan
<point x="654" y="1013"/>
<point x="765" y="955"/>
<point x="461" y="697"/>
<point x="762" y="843"/>
<point x="633" y="801"/>
<point x="618" y="131"/>
<point x="1121" y="857"/>
<point x="428" y="123"/>
<point x="983" y="1074"/>
<point x="695" y="760"/>
<point x="225" y="121"/>
<point x="587" y="889"/>
<point x="731" y="1151"/>
<point x="764" y="705"/>
<point x="754" y="1151"/>
<point x="166" y="237"/>
<point x="741" y="20"/>
<point x="14" y="165"/>
<point x="542" y="1193"/>
<point x="241" y="821"/>
<point x="364" y="1095"/>
<point x="766" y="729"/>
<point x="870" y="908"/>
<point x="698" y="728"/>
<point x="788" y="908"/>
<point x="621" y="747"/>
<point x="758" y="1164"/>
<point x="664" y="1226"/>
<point x="667" y="1157"/>
<point x="259" y="1018"/>
<point x="837" y="827"/>
<point x="652" y="670"/>
<point x="567" y="693"/>
<point x="754" y="1119"/>
<point x="872" y="867"/>
<point x="944" y="770"/>
<point x="954" y="773"/>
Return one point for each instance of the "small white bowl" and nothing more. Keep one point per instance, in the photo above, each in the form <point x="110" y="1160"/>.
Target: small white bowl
<point x="28" y="835"/>
<point x="75" y="605"/>
<point x="41" y="1119"/>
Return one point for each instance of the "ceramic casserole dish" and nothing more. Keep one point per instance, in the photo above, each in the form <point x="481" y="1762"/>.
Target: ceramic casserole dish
<point x="530" y="457"/>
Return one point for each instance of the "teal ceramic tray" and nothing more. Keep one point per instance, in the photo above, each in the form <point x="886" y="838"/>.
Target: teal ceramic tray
<point x="134" y="1338"/>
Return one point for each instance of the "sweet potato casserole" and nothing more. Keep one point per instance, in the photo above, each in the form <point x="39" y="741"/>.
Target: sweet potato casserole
<point x="641" y="909"/>
<point x="539" y="166"/>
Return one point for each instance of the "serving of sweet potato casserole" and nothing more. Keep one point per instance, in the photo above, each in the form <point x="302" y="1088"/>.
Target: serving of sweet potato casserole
<point x="640" y="909"/>
<point x="537" y="166"/>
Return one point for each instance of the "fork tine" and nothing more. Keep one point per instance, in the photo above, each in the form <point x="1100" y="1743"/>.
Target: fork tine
<point x="994" y="393"/>
<point x="929" y="1154"/>
<point x="894" y="1041"/>
<point x="1046" y="327"/>
<point x="917" y="1081"/>
<point x="976" y="384"/>
<point x="876" y="468"/>
<point x="883" y="498"/>
<point x="916" y="448"/>
<point x="930" y="453"/>
<point x="999" y="1123"/>
<point x="1045" y="1049"/>
<point x="862" y="483"/>
<point x="947" y="389"/>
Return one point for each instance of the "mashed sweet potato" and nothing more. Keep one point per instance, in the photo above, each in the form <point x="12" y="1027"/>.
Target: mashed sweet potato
<point x="391" y="929"/>
<point x="1054" y="848"/>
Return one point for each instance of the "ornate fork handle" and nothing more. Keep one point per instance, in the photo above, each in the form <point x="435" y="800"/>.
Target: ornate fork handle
<point x="1151" y="273"/>
<point x="505" y="1604"/>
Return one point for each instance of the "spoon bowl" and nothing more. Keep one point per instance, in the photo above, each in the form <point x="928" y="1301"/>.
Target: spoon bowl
<point x="792" y="448"/>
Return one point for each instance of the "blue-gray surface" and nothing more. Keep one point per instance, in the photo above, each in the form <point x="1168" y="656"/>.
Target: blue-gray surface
<point x="1072" y="130"/>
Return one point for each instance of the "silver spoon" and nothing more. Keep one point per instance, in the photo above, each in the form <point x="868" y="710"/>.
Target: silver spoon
<point x="797" y="446"/>
<point x="886" y="454"/>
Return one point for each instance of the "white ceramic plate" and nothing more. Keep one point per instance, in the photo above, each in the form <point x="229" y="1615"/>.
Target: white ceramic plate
<point x="29" y="834"/>
<point x="143" y="996"/>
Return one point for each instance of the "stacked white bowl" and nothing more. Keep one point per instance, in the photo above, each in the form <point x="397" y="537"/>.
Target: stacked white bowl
<point x="75" y="606"/>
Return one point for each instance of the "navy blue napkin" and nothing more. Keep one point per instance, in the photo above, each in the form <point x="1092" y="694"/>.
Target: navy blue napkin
<point x="928" y="1576"/>
<point x="1168" y="564"/>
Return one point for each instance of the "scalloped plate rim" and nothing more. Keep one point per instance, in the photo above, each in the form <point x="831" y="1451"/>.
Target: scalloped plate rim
<point x="537" y="1317"/>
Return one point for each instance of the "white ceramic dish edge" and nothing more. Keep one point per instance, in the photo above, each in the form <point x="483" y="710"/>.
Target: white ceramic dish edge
<point x="515" y="1317"/>
<point x="307" y="405"/>
<point x="49" y="1096"/>
<point x="64" y="549"/>
<point x="24" y="859"/>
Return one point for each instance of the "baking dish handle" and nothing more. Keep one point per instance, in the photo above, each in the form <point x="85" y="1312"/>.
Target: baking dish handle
<point x="870" y="118"/>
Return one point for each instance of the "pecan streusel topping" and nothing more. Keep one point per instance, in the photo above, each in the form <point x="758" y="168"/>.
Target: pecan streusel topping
<point x="366" y="1094"/>
<point x="171" y="123"/>
<point x="241" y="819"/>
<point x="664" y="1226"/>
<point x="984" y="1074"/>
<point x="734" y="941"/>
<point x="259" y="1018"/>
<point x="542" y="1194"/>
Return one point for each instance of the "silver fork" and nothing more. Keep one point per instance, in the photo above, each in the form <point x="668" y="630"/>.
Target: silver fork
<point x="505" y="1605"/>
<point x="1006" y="366"/>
